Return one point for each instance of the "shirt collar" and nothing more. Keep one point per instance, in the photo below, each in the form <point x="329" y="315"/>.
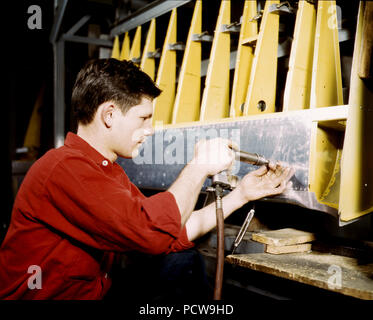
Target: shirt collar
<point x="74" y="141"/>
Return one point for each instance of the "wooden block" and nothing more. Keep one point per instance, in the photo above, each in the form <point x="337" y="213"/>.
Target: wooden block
<point x="304" y="247"/>
<point x="283" y="237"/>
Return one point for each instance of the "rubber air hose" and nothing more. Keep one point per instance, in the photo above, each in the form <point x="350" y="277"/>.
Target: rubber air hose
<point x="220" y="245"/>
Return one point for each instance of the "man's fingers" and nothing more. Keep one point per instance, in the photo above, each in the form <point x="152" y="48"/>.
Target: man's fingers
<point x="272" y="165"/>
<point x="282" y="187"/>
<point x="285" y="175"/>
<point x="261" y="171"/>
<point x="276" y="169"/>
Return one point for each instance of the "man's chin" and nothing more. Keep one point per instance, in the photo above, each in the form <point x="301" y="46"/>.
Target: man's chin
<point x="130" y="155"/>
<point x="135" y="153"/>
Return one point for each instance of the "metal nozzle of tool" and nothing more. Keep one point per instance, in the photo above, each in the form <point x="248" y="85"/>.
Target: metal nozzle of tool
<point x="228" y="181"/>
<point x="251" y="158"/>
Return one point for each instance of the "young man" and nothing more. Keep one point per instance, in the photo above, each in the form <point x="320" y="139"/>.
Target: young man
<point x="76" y="208"/>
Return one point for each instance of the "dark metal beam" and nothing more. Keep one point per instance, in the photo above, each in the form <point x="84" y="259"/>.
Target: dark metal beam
<point x="58" y="20"/>
<point x="59" y="92"/>
<point x="78" y="25"/>
<point x="147" y="13"/>
<point x="95" y="41"/>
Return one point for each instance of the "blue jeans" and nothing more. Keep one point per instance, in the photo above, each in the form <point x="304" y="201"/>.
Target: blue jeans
<point x="175" y="277"/>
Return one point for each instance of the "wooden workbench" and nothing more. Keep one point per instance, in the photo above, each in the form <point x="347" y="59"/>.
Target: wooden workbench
<point x="312" y="269"/>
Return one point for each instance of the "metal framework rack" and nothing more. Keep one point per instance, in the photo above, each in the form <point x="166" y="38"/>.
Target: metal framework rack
<point x="325" y="138"/>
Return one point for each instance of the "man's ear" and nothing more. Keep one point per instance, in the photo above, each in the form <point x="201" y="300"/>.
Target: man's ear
<point x="107" y="113"/>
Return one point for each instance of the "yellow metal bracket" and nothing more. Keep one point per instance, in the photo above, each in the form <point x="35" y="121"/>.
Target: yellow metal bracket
<point x="245" y="55"/>
<point x="147" y="61"/>
<point x="326" y="87"/>
<point x="166" y="77"/>
<point x="298" y="81"/>
<point x="125" y="51"/>
<point x="356" y="192"/>
<point x="325" y="156"/>
<point x="115" y="52"/>
<point x="261" y="93"/>
<point x="135" y="53"/>
<point x="187" y="100"/>
<point x="215" y="100"/>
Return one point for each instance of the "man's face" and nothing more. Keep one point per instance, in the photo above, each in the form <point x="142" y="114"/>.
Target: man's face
<point x="131" y="129"/>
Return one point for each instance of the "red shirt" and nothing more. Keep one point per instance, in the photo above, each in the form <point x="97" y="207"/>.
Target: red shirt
<point x="73" y="212"/>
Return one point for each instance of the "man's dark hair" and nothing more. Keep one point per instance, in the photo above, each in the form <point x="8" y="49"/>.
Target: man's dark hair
<point x="103" y="80"/>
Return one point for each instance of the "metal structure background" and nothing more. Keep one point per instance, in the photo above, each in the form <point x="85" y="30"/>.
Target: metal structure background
<point x="297" y="140"/>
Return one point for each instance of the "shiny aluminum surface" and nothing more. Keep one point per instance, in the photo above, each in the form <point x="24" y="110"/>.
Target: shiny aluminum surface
<point x="285" y="139"/>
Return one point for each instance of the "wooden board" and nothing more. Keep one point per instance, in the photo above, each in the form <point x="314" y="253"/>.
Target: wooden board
<point x="316" y="269"/>
<point x="303" y="247"/>
<point x="283" y="237"/>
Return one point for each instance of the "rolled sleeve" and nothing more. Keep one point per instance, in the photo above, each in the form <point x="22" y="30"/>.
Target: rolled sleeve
<point x="182" y="242"/>
<point x="164" y="213"/>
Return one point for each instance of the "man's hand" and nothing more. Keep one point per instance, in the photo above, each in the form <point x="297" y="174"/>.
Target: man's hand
<point x="210" y="157"/>
<point x="255" y="185"/>
<point x="213" y="156"/>
<point x="265" y="182"/>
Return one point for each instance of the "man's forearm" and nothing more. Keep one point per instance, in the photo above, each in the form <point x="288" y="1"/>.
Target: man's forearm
<point x="186" y="189"/>
<point x="203" y="220"/>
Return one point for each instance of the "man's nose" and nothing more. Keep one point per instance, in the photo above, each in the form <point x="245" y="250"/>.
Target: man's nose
<point x="149" y="130"/>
